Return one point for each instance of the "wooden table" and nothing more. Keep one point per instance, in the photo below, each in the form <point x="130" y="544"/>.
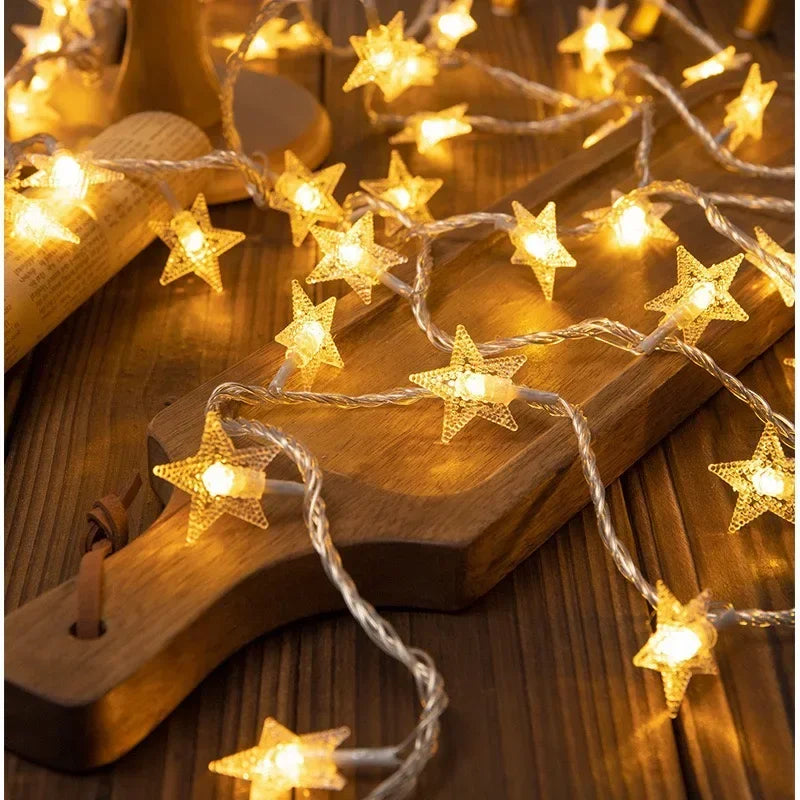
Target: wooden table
<point x="544" y="699"/>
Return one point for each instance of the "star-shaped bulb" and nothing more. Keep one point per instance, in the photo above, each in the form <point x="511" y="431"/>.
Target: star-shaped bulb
<point x="472" y="386"/>
<point x="353" y="256"/>
<point x="407" y="192"/>
<point x="37" y="39"/>
<point x="723" y="60"/>
<point x="282" y="761"/>
<point x="680" y="646"/>
<point x="307" y="197"/>
<point x="633" y="219"/>
<point x="537" y="245"/>
<point x="768" y="244"/>
<point x="390" y="60"/>
<point x="220" y="479"/>
<point x="195" y="245"/>
<point x="598" y="33"/>
<point x="701" y="295"/>
<point x="307" y="338"/>
<point x="763" y="483"/>
<point x="451" y="23"/>
<point x="74" y="13"/>
<point x="427" y="128"/>
<point x="31" y="221"/>
<point x="745" y="114"/>
<point x="69" y="174"/>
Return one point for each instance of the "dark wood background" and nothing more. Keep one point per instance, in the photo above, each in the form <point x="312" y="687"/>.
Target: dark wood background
<point x="544" y="699"/>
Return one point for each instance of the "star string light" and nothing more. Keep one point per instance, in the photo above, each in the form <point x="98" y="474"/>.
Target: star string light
<point x="195" y="245"/>
<point x="598" y="33"/>
<point x="306" y="196"/>
<point x="37" y="40"/>
<point x="353" y="256"/>
<point x="390" y="60"/>
<point x="701" y="295"/>
<point x="69" y="174"/>
<point x="31" y="221"/>
<point x="282" y="761"/>
<point x="451" y="23"/>
<point x="402" y="189"/>
<point x="308" y="336"/>
<point x="634" y="219"/>
<point x="763" y="483"/>
<point x="74" y="13"/>
<point x="537" y="245"/>
<point x="265" y="44"/>
<point x="220" y="479"/>
<point x="427" y="128"/>
<point x="726" y="59"/>
<point x="745" y="114"/>
<point x="303" y="34"/>
<point x="472" y="386"/>
<point x="769" y="245"/>
<point x="681" y="645"/>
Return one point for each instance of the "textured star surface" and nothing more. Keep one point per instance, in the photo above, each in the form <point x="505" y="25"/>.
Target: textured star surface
<point x="548" y="254"/>
<point x="451" y="23"/>
<point x="87" y="174"/>
<point x="674" y="619"/>
<point x="74" y="12"/>
<point x="311" y="344"/>
<point x="30" y="220"/>
<point x="187" y="475"/>
<point x="611" y="215"/>
<point x="282" y="761"/>
<point x="306" y="196"/>
<point x="690" y="273"/>
<point x="204" y="263"/>
<point x="353" y="256"/>
<point x="751" y="503"/>
<point x="410" y="193"/>
<point x="746" y="112"/>
<point x="427" y="128"/>
<point x="390" y="60"/>
<point x="727" y="58"/>
<point x="767" y="243"/>
<point x="446" y="383"/>
<point x="594" y="42"/>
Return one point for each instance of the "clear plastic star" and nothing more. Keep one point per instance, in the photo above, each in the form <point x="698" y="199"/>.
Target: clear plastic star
<point x="353" y="256"/>
<point x="746" y="113"/>
<point x="634" y="219"/>
<point x="31" y="221"/>
<point x="303" y="34"/>
<point x="192" y="476"/>
<point x="195" y="245"/>
<point x="767" y="243"/>
<point x="691" y="273"/>
<point x="74" y="13"/>
<point x="763" y="483"/>
<point x="465" y="393"/>
<point x="390" y="60"/>
<point x="427" y="128"/>
<point x="308" y="336"/>
<point x="283" y="761"/>
<point x="716" y="65"/>
<point x="71" y="174"/>
<point x="307" y="197"/>
<point x="451" y="23"/>
<point x="598" y="33"/>
<point x="402" y="189"/>
<point x="537" y="245"/>
<point x="680" y="646"/>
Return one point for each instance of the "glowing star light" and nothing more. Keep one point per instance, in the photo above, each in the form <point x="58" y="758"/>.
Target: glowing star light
<point x="68" y="173"/>
<point x="451" y="23"/>
<point x="37" y="40"/>
<point x="538" y="246"/>
<point x="634" y="219"/>
<point x="764" y="482"/>
<point x="305" y="33"/>
<point x="716" y="65"/>
<point x="74" y="13"/>
<point x="428" y="128"/>
<point x="700" y="295"/>
<point x="308" y="336"/>
<point x="307" y="197"/>
<point x="30" y="221"/>
<point x="195" y="245"/>
<point x="265" y="43"/>
<point x="220" y="479"/>
<point x="680" y="645"/>
<point x="472" y="386"/>
<point x="598" y="33"/>
<point x="390" y="61"/>
<point x="745" y="114"/>
<point x="407" y="192"/>
<point x="769" y="245"/>
<point x="354" y="256"/>
<point x="283" y="761"/>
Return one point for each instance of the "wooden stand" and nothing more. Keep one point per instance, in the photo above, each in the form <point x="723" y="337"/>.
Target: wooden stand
<point x="418" y="524"/>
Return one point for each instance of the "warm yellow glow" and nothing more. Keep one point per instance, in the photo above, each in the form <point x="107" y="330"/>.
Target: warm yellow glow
<point x="539" y="246"/>
<point x="769" y="481"/>
<point x="399" y="196"/>
<point x="702" y="296"/>
<point x="427" y="129"/>
<point x="309" y="339"/>
<point x="302" y="34"/>
<point x="716" y="65"/>
<point x="633" y="219"/>
<point x="631" y="228"/>
<point x="382" y="59"/>
<point x="192" y="239"/>
<point x="289" y="760"/>
<point x="598" y="33"/>
<point x="454" y="25"/>
<point x="675" y="644"/>
<point x="351" y="255"/>
<point x="451" y="24"/>
<point x="597" y="37"/>
<point x="745" y="114"/>
<point x="308" y="197"/>
<point x="226" y="480"/>
<point x="484" y="387"/>
<point x="31" y="221"/>
<point x="69" y="174"/>
<point x="769" y="245"/>
<point x="608" y="127"/>
<point x="218" y="479"/>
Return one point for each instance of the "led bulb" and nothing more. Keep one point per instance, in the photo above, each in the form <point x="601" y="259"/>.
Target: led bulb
<point x="451" y="23"/>
<point x="454" y="25"/>
<point x="484" y="387"/>
<point x="769" y="482"/>
<point x="675" y="644"/>
<point x="191" y="237"/>
<point x="67" y="174"/>
<point x="597" y="37"/>
<point x="227" y="480"/>
<point x="631" y="228"/>
<point x="427" y="129"/>
<point x="538" y="245"/>
<point x="351" y="255"/>
<point x="382" y="59"/>
<point x="598" y="33"/>
<point x="308" y="340"/>
<point x="308" y="197"/>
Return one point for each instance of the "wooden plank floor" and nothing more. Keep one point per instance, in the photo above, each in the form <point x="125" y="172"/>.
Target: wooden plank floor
<point x="544" y="699"/>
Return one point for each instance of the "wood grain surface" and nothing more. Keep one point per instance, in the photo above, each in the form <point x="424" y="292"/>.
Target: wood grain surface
<point x="545" y="701"/>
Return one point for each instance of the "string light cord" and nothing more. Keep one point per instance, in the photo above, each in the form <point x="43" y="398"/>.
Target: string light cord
<point x="701" y="36"/>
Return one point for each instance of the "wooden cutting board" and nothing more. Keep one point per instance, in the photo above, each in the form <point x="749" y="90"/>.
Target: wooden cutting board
<point x="418" y="523"/>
